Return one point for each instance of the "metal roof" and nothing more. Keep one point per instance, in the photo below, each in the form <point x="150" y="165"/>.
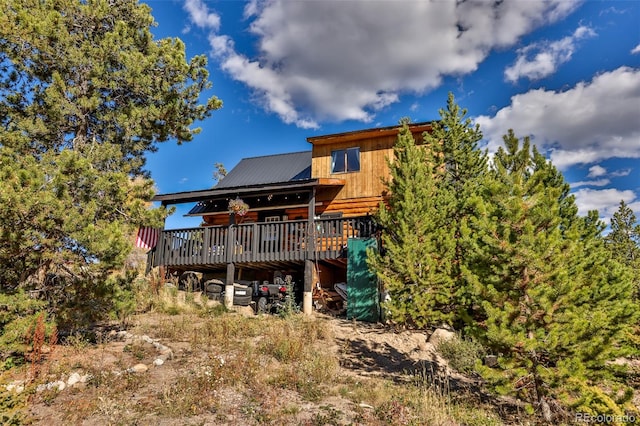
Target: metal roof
<point x="204" y="194"/>
<point x="268" y="169"/>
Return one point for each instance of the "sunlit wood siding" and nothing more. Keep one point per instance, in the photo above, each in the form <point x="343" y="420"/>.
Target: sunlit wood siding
<point x="364" y="183"/>
<point x="363" y="190"/>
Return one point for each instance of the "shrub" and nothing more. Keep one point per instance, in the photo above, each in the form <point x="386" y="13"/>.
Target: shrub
<point x="13" y="407"/>
<point x="461" y="353"/>
<point x="19" y="315"/>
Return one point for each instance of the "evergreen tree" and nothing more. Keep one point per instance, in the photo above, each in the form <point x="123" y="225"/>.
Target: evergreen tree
<point x="623" y="242"/>
<point x="431" y="193"/>
<point x="85" y="92"/>
<point x="417" y="244"/>
<point x="555" y="306"/>
<point x="453" y="144"/>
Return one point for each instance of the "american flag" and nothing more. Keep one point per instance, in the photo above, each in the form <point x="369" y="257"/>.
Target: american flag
<point x="147" y="237"/>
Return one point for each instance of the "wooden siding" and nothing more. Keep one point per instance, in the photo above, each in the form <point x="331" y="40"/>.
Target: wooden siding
<point x="367" y="182"/>
<point x="222" y="219"/>
<point x="364" y="183"/>
<point x="349" y="207"/>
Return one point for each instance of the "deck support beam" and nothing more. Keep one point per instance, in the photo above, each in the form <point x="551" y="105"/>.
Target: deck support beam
<point x="228" y="288"/>
<point x="307" y="294"/>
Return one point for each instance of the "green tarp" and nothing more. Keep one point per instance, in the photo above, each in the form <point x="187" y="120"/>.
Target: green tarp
<point x="362" y="286"/>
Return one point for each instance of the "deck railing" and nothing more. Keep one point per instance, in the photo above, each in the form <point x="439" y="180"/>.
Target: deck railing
<point x="290" y="240"/>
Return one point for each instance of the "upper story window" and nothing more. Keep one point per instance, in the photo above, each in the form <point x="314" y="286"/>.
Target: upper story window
<point x="345" y="160"/>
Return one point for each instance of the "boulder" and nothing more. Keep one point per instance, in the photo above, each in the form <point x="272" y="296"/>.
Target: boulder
<point x="138" y="368"/>
<point x="441" y="334"/>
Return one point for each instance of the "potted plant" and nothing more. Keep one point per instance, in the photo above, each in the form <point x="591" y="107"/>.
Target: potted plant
<point x="237" y="207"/>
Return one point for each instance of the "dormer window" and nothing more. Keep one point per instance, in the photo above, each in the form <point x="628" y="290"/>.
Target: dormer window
<point x="345" y="160"/>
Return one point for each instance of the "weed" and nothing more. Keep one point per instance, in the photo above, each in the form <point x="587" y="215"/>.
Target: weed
<point x="215" y="310"/>
<point x="36" y="335"/>
<point x="289" y="307"/>
<point x="429" y="377"/>
<point x="77" y="341"/>
<point x="114" y="410"/>
<point x="393" y="412"/>
<point x="47" y="396"/>
<point x="290" y="410"/>
<point x="284" y="348"/>
<point x="328" y="416"/>
<point x="139" y="350"/>
<point x="172" y="310"/>
<point x="461" y="354"/>
<point x="191" y="393"/>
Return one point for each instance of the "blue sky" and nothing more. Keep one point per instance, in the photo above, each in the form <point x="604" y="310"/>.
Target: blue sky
<point x="566" y="73"/>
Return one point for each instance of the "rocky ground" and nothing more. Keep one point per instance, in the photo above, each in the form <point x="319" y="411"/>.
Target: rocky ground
<point x="155" y="373"/>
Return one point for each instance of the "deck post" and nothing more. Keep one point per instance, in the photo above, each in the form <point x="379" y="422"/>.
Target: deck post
<point x="307" y="295"/>
<point x="228" y="288"/>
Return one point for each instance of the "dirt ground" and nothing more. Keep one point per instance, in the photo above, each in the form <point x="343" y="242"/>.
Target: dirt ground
<point x="364" y="351"/>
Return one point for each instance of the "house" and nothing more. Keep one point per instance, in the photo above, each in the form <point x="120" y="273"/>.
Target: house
<point x="304" y="210"/>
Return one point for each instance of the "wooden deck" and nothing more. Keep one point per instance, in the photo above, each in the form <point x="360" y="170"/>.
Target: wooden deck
<point x="263" y="242"/>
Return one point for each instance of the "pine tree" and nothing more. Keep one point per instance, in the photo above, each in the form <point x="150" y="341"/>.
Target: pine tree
<point x="417" y="244"/>
<point x="555" y="306"/>
<point x="454" y="147"/>
<point x="85" y="92"/>
<point x="623" y="242"/>
<point x="431" y="197"/>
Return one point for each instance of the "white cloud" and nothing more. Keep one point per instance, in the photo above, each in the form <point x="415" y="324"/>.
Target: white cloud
<point x="597" y="182"/>
<point x="606" y="201"/>
<point x="541" y="59"/>
<point x="588" y="123"/>
<point x="635" y="50"/>
<point x="336" y="61"/>
<point x="621" y="172"/>
<point x="596" y="171"/>
<point x="200" y="15"/>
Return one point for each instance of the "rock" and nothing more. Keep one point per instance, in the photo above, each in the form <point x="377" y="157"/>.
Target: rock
<point x="58" y="385"/>
<point x="167" y="353"/>
<point x="73" y="379"/>
<point x="491" y="361"/>
<point x="146" y="339"/>
<point x="138" y="368"/>
<point x="16" y="386"/>
<point x="158" y="362"/>
<point x="160" y="347"/>
<point x="440" y="335"/>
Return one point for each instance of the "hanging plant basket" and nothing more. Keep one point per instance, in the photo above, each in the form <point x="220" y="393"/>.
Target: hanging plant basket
<point x="238" y="207"/>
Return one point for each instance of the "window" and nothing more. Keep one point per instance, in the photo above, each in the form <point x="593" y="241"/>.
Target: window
<point x="345" y="160"/>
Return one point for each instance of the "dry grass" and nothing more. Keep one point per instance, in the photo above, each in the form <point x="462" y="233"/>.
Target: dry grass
<point x="230" y="368"/>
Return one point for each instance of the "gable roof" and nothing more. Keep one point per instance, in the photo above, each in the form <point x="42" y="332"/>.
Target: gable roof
<point x="268" y="169"/>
